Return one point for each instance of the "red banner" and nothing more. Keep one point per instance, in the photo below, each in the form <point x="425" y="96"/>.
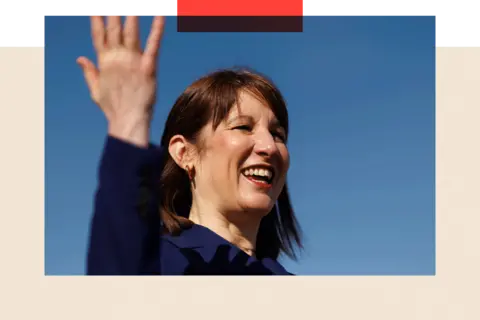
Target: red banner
<point x="240" y="8"/>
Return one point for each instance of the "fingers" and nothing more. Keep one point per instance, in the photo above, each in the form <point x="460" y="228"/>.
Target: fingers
<point x="114" y="31"/>
<point x="114" y="36"/>
<point x="90" y="73"/>
<point x="131" y="33"/>
<point x="153" y="41"/>
<point x="98" y="33"/>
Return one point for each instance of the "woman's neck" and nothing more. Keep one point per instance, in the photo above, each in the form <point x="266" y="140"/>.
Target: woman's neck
<point x="236" y="228"/>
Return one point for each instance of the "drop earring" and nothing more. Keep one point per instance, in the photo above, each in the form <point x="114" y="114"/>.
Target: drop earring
<point x="190" y="173"/>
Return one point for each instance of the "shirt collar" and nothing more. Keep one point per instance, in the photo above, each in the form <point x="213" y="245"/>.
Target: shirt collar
<point x="202" y="238"/>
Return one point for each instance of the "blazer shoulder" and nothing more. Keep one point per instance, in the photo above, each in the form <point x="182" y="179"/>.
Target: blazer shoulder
<point x="172" y="261"/>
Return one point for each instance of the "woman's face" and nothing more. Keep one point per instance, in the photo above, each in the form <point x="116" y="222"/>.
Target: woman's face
<point x="244" y="161"/>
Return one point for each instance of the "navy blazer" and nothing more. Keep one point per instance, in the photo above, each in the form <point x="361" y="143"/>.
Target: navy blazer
<point x="125" y="232"/>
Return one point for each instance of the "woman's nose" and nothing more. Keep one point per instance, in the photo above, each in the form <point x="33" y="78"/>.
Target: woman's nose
<point x="265" y="144"/>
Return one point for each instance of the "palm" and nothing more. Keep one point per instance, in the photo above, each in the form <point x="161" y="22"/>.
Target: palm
<point x="124" y="82"/>
<point x="126" y="59"/>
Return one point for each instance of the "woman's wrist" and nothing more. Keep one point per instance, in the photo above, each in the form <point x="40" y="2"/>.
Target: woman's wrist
<point x="134" y="132"/>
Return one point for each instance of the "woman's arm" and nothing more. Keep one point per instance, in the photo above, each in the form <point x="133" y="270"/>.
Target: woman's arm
<point x="125" y="228"/>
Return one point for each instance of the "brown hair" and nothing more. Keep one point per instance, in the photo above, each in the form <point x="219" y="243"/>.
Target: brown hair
<point x="210" y="99"/>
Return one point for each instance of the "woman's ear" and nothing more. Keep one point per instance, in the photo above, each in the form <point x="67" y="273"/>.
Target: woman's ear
<point x="178" y="148"/>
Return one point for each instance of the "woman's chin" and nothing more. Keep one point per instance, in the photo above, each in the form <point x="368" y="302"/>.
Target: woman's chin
<point x="260" y="204"/>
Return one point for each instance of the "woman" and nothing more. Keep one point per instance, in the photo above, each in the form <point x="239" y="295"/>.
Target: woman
<point x="212" y="198"/>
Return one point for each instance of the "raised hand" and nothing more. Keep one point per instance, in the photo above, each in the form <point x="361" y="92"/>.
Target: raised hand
<point x="124" y="83"/>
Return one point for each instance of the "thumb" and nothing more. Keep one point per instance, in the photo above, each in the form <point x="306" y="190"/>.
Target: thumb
<point x="90" y="72"/>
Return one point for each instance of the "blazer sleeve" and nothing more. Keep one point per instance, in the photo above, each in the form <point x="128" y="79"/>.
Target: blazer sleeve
<point x="125" y="227"/>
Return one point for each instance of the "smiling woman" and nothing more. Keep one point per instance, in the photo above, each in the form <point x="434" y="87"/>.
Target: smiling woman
<point x="212" y="198"/>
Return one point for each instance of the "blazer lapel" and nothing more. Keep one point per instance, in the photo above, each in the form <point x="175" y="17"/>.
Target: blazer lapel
<point x="208" y="253"/>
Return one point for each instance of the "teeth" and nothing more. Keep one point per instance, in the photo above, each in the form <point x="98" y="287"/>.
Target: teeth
<point x="258" y="172"/>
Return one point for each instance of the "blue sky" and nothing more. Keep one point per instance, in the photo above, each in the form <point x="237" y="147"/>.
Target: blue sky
<point x="361" y="97"/>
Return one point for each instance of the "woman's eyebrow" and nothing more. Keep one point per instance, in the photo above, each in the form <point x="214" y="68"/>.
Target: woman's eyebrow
<point x="240" y="117"/>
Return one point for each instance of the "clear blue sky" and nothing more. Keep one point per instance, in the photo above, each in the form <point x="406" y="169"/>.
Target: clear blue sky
<point x="361" y="96"/>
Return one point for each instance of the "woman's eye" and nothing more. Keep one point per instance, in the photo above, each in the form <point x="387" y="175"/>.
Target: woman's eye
<point x="244" y="127"/>
<point x="280" y="136"/>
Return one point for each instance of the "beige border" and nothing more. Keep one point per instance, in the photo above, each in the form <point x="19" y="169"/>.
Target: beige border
<point x="451" y="294"/>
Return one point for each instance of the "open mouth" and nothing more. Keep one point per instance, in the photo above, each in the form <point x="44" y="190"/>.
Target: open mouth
<point x="260" y="175"/>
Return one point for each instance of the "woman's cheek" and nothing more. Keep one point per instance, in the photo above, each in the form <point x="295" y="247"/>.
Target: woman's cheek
<point x="235" y="141"/>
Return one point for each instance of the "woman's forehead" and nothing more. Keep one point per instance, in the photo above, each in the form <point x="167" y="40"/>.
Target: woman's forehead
<point x="250" y="105"/>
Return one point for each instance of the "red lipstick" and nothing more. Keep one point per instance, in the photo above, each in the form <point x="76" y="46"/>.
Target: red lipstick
<point x="259" y="183"/>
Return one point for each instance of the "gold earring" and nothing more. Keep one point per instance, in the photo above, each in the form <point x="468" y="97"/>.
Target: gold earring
<point x="189" y="172"/>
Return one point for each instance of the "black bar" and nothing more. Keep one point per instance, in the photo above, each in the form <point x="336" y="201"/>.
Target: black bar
<point x="239" y="24"/>
<point x="460" y="24"/>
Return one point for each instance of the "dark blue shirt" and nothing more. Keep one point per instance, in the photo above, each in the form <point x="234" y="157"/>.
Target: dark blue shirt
<point x="125" y="234"/>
